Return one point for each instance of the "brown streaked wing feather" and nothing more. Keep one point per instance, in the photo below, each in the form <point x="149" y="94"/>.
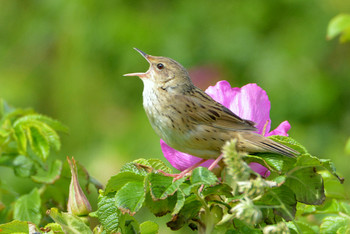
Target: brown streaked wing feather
<point x="203" y="109"/>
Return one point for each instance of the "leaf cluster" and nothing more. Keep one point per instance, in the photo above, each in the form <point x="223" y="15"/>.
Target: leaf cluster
<point x="238" y="199"/>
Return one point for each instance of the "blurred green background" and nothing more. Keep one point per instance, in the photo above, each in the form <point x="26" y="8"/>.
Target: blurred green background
<point x="66" y="58"/>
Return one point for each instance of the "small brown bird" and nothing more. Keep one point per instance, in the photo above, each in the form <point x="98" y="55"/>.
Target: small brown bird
<point x="189" y="120"/>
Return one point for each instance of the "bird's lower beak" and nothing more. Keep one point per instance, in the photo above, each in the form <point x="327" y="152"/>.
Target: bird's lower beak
<point x="140" y="74"/>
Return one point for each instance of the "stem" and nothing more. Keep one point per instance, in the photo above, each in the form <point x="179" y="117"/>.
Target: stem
<point x="207" y="218"/>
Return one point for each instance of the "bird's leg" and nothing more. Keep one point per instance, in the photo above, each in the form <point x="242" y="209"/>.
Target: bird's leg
<point x="184" y="172"/>
<point x="217" y="160"/>
<point x="211" y="167"/>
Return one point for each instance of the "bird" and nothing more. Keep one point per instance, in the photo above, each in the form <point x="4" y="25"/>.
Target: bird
<point x="190" y="121"/>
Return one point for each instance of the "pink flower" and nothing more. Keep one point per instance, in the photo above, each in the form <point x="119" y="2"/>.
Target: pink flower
<point x="249" y="102"/>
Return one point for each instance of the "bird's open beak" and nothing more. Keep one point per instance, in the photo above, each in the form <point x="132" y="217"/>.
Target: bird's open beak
<point x="140" y="74"/>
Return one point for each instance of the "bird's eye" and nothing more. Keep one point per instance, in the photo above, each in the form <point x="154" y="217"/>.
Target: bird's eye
<point x="160" y="66"/>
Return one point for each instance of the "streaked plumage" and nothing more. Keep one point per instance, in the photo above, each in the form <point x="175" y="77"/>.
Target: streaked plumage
<point x="189" y="120"/>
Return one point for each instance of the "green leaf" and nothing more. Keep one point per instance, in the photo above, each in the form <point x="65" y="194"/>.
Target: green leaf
<point x="38" y="118"/>
<point x="15" y="226"/>
<point x="23" y="166"/>
<point x="282" y="200"/>
<point x="130" y="197"/>
<point x="160" y="207"/>
<point x="118" y="181"/>
<point x="334" y="224"/>
<point x="149" y="227"/>
<point x="307" y="185"/>
<point x="49" y="176"/>
<point x="308" y="160"/>
<point x="137" y="167"/>
<point x="163" y="186"/>
<point x="330" y="206"/>
<point x="347" y="146"/>
<point x="21" y="139"/>
<point x="69" y="222"/>
<point x="55" y="228"/>
<point x="290" y="142"/>
<point x="159" y="165"/>
<point x="219" y="189"/>
<point x="108" y="213"/>
<point x="27" y="207"/>
<point x="180" y="202"/>
<point x="201" y="175"/>
<point x="189" y="211"/>
<point x="39" y="143"/>
<point x="339" y="25"/>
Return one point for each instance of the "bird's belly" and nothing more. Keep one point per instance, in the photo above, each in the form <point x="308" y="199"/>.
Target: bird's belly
<point x="193" y="142"/>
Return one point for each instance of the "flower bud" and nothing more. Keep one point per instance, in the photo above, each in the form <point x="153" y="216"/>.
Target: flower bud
<point x="78" y="204"/>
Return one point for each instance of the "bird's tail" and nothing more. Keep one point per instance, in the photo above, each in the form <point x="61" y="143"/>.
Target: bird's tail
<point x="255" y="143"/>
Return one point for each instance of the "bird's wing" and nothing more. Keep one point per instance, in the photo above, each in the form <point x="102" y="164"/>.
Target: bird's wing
<point x="202" y="109"/>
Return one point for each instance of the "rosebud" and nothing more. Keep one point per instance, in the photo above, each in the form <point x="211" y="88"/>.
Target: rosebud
<point x="78" y="204"/>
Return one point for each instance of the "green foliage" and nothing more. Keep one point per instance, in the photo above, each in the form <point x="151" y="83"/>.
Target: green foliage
<point x="339" y="25"/>
<point x="241" y="201"/>
<point x="27" y="207"/>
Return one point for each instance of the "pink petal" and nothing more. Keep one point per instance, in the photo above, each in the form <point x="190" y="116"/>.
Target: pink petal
<point x="222" y="92"/>
<point x="281" y="130"/>
<point x="263" y="171"/>
<point x="249" y="102"/>
<point x="179" y="160"/>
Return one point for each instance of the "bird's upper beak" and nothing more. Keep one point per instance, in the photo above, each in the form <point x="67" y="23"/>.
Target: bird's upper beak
<point x="141" y="74"/>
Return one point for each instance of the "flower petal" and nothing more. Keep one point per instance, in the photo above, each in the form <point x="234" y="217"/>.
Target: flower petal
<point x="249" y="102"/>
<point x="281" y="130"/>
<point x="179" y="160"/>
<point x="222" y="92"/>
<point x="263" y="171"/>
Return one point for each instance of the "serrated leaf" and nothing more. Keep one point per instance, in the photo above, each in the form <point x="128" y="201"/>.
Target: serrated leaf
<point x="339" y="25"/>
<point x="23" y="166"/>
<point x="39" y="143"/>
<point x="69" y="222"/>
<point x="130" y="197"/>
<point x="180" y="202"/>
<point x="160" y="207"/>
<point x="159" y="165"/>
<point x="27" y="207"/>
<point x="333" y="224"/>
<point x="21" y="139"/>
<point x="108" y="213"/>
<point x="149" y="227"/>
<point x="15" y="226"/>
<point x="54" y="124"/>
<point x="163" y="186"/>
<point x="290" y="142"/>
<point x="118" y="181"/>
<point x="307" y="185"/>
<point x="49" y="176"/>
<point x="137" y="167"/>
<point x="201" y="175"/>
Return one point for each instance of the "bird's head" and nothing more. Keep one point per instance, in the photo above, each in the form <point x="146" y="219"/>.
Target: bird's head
<point x="163" y="71"/>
